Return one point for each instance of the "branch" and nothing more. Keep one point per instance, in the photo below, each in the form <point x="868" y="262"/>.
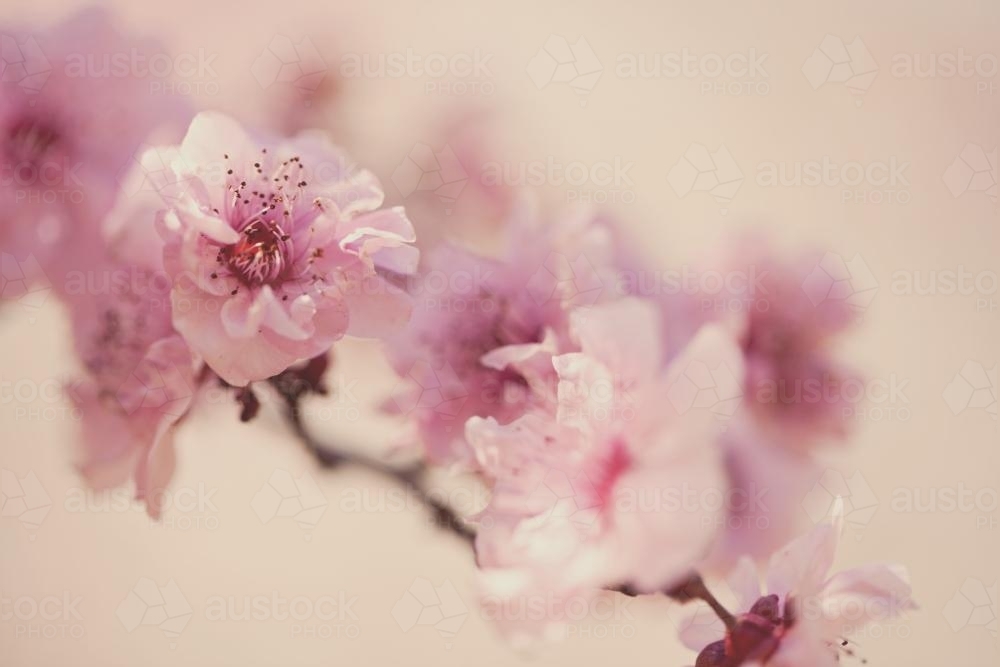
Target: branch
<point x="694" y="588"/>
<point x="410" y="477"/>
<point x="293" y="385"/>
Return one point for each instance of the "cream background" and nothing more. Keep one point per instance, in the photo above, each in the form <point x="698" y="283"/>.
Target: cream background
<point x="376" y="556"/>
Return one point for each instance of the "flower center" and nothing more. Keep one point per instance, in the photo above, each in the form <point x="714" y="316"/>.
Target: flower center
<point x="754" y="638"/>
<point x="613" y="466"/>
<point x="29" y="139"/>
<point x="260" y="256"/>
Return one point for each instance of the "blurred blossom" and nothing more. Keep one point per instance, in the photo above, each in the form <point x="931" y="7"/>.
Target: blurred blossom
<point x="140" y="377"/>
<point x="795" y="385"/>
<point x="609" y="487"/>
<point x="486" y="328"/>
<point x="793" y="388"/>
<point x="74" y="107"/>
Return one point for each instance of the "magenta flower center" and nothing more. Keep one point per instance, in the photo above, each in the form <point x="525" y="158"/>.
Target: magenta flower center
<point x="754" y="639"/>
<point x="614" y="466"/>
<point x="29" y="139"/>
<point x="260" y="256"/>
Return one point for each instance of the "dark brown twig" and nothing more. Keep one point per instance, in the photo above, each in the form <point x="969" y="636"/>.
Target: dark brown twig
<point x="411" y="477"/>
<point x="293" y="385"/>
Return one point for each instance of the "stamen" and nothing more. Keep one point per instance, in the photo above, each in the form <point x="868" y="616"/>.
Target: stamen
<point x="260" y="256"/>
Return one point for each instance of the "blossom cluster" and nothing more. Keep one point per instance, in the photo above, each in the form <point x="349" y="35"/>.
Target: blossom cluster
<point x="624" y="430"/>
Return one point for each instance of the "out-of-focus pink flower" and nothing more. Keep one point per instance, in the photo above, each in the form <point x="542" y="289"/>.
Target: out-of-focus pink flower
<point x="484" y="329"/>
<point x="613" y="486"/>
<point x="806" y="617"/>
<point x="794" y="385"/>
<point x="276" y="248"/>
<point x="71" y="118"/>
<point x="140" y="377"/>
<point x="140" y="380"/>
<point x="792" y="396"/>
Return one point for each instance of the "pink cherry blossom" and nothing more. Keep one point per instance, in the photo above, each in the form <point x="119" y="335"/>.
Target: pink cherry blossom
<point x="276" y="248"/>
<point x="140" y="377"/>
<point x="69" y="124"/>
<point x="484" y="328"/>
<point x="793" y="387"/>
<point x="140" y="381"/>
<point x="807" y="615"/>
<point x="611" y="487"/>
<point x="794" y="384"/>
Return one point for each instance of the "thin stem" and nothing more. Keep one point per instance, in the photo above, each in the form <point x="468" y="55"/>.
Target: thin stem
<point x="410" y="477"/>
<point x="293" y="385"/>
<point x="694" y="588"/>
